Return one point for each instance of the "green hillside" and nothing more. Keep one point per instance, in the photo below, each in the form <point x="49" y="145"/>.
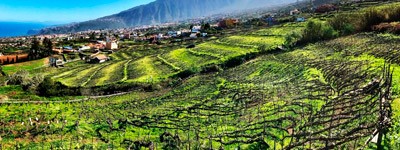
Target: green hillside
<point x="251" y="91"/>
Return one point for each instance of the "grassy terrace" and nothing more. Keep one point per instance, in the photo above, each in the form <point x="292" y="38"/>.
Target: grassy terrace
<point x="270" y="42"/>
<point x="29" y="66"/>
<point x="79" y="78"/>
<point x="109" y="74"/>
<point x="222" y="51"/>
<point x="183" y="59"/>
<point x="280" y="30"/>
<point x="148" y="70"/>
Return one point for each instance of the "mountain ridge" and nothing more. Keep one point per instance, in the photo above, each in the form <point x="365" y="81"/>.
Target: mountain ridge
<point x="162" y="11"/>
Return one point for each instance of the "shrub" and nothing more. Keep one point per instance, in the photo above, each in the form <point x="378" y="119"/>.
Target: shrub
<point x="348" y="23"/>
<point x="23" y="79"/>
<point x="261" y="144"/>
<point x="291" y="39"/>
<point x="325" y="8"/>
<point x="348" y="29"/>
<point x="373" y="17"/>
<point x="328" y="32"/>
<point x="35" y="82"/>
<point x="286" y="19"/>
<point x="50" y="88"/>
<point x="393" y="27"/>
<point x="317" y="30"/>
<point x="2" y="73"/>
<point x="18" y="77"/>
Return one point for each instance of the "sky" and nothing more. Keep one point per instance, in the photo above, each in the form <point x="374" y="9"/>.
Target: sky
<point x="62" y="11"/>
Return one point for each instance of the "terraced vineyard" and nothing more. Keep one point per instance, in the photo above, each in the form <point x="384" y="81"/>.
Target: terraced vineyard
<point x="280" y="30"/>
<point x="271" y="42"/>
<point x="334" y="94"/>
<point x="319" y="96"/>
<point x="148" y="69"/>
<point x="109" y="74"/>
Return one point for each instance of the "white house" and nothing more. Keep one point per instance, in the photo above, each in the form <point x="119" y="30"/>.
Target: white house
<point x="193" y="35"/>
<point x="111" y="45"/>
<point x="295" y="12"/>
<point x="196" y="29"/>
<point x="84" y="48"/>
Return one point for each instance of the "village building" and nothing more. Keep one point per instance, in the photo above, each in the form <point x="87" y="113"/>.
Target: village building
<point x="97" y="44"/>
<point x="160" y="36"/>
<point x="127" y="36"/>
<point x="228" y="23"/>
<point x="111" y="45"/>
<point x="68" y="49"/>
<point x="193" y="35"/>
<point x="58" y="50"/>
<point x="56" y="62"/>
<point x="295" y="12"/>
<point x="172" y="33"/>
<point x="82" y="48"/>
<point x="300" y="19"/>
<point x="196" y="29"/>
<point x="98" y="59"/>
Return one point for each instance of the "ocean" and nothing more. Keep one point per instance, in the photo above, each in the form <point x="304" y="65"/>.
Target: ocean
<point x="11" y="29"/>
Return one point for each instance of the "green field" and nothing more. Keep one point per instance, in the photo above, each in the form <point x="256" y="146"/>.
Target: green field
<point x="29" y="66"/>
<point x="149" y="69"/>
<point x="109" y="74"/>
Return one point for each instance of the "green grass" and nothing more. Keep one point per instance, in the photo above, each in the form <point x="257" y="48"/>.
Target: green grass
<point x="273" y="41"/>
<point x="109" y="74"/>
<point x="68" y="72"/>
<point x="80" y="77"/>
<point x="222" y="51"/>
<point x="29" y="66"/>
<point x="16" y="93"/>
<point x="393" y="137"/>
<point x="8" y="89"/>
<point x="149" y="69"/>
<point x="279" y="30"/>
<point x="185" y="60"/>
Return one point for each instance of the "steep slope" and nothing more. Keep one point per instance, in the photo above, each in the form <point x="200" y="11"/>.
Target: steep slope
<point x="170" y="10"/>
<point x="162" y="11"/>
